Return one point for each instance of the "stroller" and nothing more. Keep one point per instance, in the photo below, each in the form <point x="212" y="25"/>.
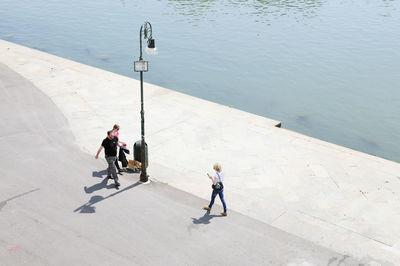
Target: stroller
<point x="129" y="165"/>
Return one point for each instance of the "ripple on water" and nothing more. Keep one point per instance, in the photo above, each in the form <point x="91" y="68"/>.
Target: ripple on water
<point x="371" y="145"/>
<point x="262" y="11"/>
<point x="104" y="58"/>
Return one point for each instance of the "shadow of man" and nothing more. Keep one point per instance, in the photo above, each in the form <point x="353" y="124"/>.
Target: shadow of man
<point x="205" y="219"/>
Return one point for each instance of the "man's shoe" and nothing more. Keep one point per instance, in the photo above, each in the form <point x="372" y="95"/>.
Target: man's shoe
<point x="110" y="177"/>
<point x="207" y="208"/>
<point x="224" y="213"/>
<point x="117" y="184"/>
<point x="120" y="173"/>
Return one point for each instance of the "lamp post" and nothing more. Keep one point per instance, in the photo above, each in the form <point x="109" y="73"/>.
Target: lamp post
<point x="142" y="66"/>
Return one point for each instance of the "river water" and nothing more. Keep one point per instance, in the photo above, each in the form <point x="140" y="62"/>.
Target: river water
<point x="328" y="69"/>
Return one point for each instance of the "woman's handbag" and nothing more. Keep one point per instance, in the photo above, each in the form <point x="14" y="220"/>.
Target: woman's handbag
<point x="218" y="186"/>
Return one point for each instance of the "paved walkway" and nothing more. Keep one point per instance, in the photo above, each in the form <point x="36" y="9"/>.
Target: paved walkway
<point x="57" y="208"/>
<point x="333" y="196"/>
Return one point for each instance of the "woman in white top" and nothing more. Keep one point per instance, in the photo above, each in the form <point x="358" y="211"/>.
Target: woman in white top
<point x="218" y="188"/>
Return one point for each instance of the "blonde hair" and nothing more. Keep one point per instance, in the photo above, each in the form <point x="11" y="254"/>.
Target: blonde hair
<point x="116" y="126"/>
<point x="217" y="167"/>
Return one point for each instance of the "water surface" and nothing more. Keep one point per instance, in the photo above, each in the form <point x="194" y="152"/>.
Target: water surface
<point x="328" y="69"/>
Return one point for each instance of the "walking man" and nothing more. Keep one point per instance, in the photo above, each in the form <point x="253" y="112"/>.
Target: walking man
<point x="110" y="149"/>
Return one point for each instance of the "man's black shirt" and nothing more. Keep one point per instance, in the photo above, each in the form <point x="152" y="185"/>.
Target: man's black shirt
<point x="110" y="146"/>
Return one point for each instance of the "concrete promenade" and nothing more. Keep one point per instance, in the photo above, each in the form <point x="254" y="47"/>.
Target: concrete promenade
<point x="337" y="198"/>
<point x="58" y="208"/>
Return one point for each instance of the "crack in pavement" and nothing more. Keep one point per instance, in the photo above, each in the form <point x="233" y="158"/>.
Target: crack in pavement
<point x="3" y="203"/>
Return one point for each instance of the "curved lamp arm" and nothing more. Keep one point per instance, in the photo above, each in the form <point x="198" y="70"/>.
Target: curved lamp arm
<point x="147" y="35"/>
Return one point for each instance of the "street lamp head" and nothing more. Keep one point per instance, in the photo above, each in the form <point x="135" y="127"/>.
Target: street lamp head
<point x="151" y="47"/>
<point x="151" y="43"/>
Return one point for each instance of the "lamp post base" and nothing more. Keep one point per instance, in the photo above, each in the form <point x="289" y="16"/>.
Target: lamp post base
<point x="145" y="183"/>
<point x="144" y="178"/>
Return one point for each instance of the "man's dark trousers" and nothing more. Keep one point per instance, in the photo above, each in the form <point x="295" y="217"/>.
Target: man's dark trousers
<point x="112" y="171"/>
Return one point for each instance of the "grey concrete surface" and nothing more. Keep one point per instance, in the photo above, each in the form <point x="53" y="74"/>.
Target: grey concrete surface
<point x="335" y="197"/>
<point x="57" y="208"/>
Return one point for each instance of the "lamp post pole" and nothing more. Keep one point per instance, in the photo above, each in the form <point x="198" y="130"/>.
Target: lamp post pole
<point x="142" y="66"/>
<point x="143" y="175"/>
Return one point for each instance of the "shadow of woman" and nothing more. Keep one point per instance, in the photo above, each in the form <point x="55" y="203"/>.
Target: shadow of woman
<point x="99" y="174"/>
<point x="89" y="208"/>
<point x="205" y="219"/>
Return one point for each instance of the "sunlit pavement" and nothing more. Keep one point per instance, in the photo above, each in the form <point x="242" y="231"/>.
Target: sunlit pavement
<point x="317" y="191"/>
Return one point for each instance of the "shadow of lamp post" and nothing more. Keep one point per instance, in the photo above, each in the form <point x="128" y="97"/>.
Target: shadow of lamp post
<point x="142" y="66"/>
